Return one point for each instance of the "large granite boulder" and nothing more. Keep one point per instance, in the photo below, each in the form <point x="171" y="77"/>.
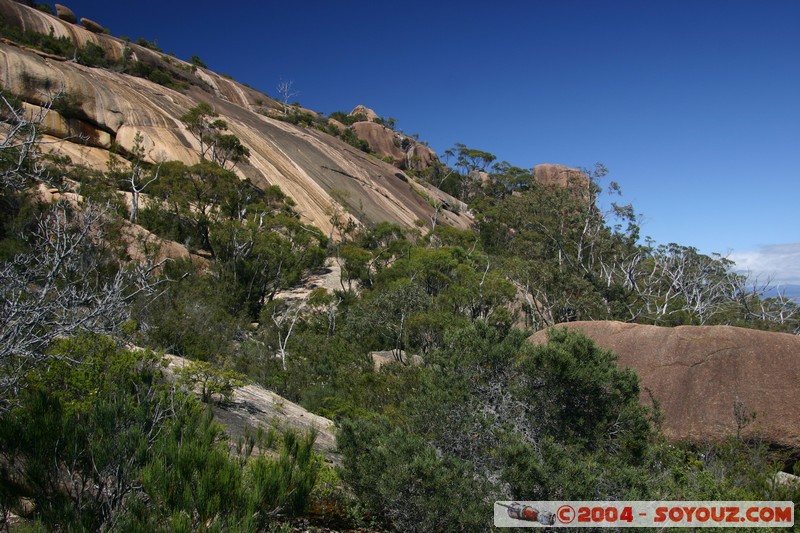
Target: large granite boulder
<point x="549" y="174"/>
<point x="420" y="156"/>
<point x="390" y="357"/>
<point x="92" y="26"/>
<point x="381" y="140"/>
<point x="362" y="111"/>
<point x="405" y="152"/>
<point x="708" y="380"/>
<point x="66" y="14"/>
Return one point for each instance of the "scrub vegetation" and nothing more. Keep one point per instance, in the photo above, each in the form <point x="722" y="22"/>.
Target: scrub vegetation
<point x="95" y="436"/>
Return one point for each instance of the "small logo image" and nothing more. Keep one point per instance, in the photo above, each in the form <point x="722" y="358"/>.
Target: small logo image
<point x="566" y="514"/>
<point x="529" y="514"/>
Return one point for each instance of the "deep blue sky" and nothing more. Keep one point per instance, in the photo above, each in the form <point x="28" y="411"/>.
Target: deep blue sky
<point x="693" y="105"/>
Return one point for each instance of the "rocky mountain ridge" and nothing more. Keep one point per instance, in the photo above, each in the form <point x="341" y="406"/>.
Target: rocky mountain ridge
<point x="106" y="108"/>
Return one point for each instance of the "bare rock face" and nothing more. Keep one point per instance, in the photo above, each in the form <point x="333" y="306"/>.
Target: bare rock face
<point x="328" y="277"/>
<point x="701" y="374"/>
<point x="380" y="139"/>
<point x="319" y="172"/>
<point x="419" y="157"/>
<point x="66" y="14"/>
<point x="368" y="114"/>
<point x="405" y="152"/>
<point x="54" y="124"/>
<point x="92" y="26"/>
<point x="549" y="174"/>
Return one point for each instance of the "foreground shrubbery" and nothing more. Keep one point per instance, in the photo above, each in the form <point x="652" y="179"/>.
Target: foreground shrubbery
<point x="492" y="418"/>
<point x="101" y="440"/>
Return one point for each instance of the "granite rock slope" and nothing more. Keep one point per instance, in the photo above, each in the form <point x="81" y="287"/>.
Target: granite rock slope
<point x="322" y="174"/>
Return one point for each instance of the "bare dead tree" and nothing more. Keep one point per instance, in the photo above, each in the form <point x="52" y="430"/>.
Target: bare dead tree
<point x="781" y="309"/>
<point x="287" y="92"/>
<point x="778" y="308"/>
<point x="284" y="318"/>
<point x="67" y="281"/>
<point x="20" y="144"/>
<point x="135" y="178"/>
<point x="60" y="288"/>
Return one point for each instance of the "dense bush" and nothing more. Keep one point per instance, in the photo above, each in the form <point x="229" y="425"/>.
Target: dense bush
<point x="152" y="45"/>
<point x="155" y="73"/>
<point x="196" y="61"/>
<point x="353" y="140"/>
<point x="102" y="440"/>
<point x="492" y="418"/>
<point x="196" y="317"/>
<point x="297" y="118"/>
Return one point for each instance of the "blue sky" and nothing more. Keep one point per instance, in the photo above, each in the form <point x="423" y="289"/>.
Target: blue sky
<point x="694" y="106"/>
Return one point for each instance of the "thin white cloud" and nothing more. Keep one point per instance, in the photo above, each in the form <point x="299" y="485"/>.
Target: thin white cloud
<point x="778" y="262"/>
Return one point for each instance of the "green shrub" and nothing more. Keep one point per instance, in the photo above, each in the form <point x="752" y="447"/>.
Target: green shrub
<point x="160" y="77"/>
<point x="102" y="441"/>
<point x="347" y="120"/>
<point x="353" y="140"/>
<point x="152" y="45"/>
<point x="93" y="55"/>
<point x="283" y="485"/>
<point x="90" y="413"/>
<point x="213" y="381"/>
<point x="196" y="318"/>
<point x="404" y="481"/>
<point x="297" y="118"/>
<point x="196" y="61"/>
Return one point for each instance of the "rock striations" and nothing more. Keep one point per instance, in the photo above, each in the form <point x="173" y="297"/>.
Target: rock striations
<point x="321" y="173"/>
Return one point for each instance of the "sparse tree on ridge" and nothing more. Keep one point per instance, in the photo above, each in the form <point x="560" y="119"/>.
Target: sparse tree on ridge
<point x="287" y="92"/>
